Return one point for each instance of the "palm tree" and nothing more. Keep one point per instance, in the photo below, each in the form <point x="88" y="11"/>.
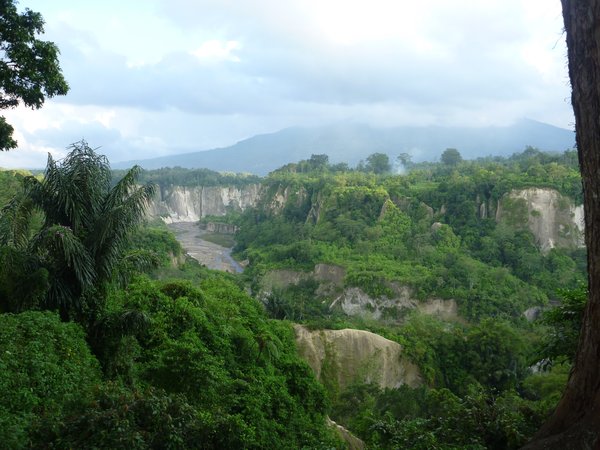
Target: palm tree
<point x="23" y="279"/>
<point x="83" y="238"/>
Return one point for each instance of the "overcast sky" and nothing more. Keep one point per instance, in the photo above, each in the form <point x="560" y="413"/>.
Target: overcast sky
<point x="154" y="77"/>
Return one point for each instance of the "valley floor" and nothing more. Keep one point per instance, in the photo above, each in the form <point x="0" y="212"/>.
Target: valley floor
<point x="207" y="253"/>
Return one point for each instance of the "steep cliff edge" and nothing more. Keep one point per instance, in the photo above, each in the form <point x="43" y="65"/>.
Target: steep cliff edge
<point x="551" y="217"/>
<point x="344" y="357"/>
<point x="190" y="204"/>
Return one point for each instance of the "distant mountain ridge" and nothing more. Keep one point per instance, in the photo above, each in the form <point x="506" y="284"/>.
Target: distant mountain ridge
<point x="351" y="143"/>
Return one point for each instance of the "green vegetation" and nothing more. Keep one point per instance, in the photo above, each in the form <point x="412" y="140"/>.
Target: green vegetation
<point x="47" y="369"/>
<point x="432" y="230"/>
<point x="110" y="337"/>
<point x="435" y="232"/>
<point x="80" y="248"/>
<point x="129" y="344"/>
<point x="11" y="181"/>
<point x="29" y="69"/>
<point x="130" y="362"/>
<point x="224" y="240"/>
<point x="437" y="419"/>
<point x="156" y="239"/>
<point x="451" y="157"/>
<point x="169" y="176"/>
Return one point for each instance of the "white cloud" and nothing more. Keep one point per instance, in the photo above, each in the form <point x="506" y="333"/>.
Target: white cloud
<point x="215" y="51"/>
<point x="180" y="75"/>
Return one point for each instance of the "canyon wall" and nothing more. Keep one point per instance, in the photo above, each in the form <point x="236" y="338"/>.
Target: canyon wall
<point x="190" y="204"/>
<point x="341" y="358"/>
<point x="552" y="218"/>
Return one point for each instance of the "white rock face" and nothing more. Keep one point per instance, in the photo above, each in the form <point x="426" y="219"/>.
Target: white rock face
<point x="190" y="204"/>
<point x="533" y="313"/>
<point x="352" y="442"/>
<point x="351" y="356"/>
<point x="552" y="218"/>
<point x="353" y="301"/>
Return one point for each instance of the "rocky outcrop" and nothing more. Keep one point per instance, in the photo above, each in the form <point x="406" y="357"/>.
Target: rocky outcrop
<point x="284" y="196"/>
<point x="351" y="441"/>
<point x="190" y="204"/>
<point x="552" y="217"/>
<point x="533" y="313"/>
<point x="353" y="301"/>
<point x="329" y="273"/>
<point x="341" y="358"/>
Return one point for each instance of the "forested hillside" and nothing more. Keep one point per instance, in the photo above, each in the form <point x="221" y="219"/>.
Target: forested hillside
<point x="351" y="142"/>
<point x="439" y="308"/>
<point x="459" y="232"/>
<point x="456" y="261"/>
<point x="96" y="354"/>
<point x="342" y="283"/>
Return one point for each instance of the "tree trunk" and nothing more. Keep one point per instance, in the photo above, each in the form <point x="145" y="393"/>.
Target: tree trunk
<point x="575" y="423"/>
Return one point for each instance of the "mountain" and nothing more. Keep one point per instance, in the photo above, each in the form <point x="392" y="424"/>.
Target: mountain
<point x="351" y="143"/>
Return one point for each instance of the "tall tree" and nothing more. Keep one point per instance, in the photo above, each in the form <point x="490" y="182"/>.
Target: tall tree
<point x="29" y="69"/>
<point x="405" y="159"/>
<point x="451" y="157"/>
<point x="378" y="163"/>
<point x="83" y="238"/>
<point x="575" y="423"/>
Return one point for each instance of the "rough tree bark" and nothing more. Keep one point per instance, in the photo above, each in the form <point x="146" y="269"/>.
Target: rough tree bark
<point x="576" y="422"/>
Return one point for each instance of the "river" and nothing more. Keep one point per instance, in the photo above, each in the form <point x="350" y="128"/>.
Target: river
<point x="211" y="255"/>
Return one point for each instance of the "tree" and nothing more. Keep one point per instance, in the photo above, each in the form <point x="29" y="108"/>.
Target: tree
<point x="378" y="163"/>
<point x="47" y="371"/>
<point x="318" y="161"/>
<point x="83" y="238"/>
<point x="29" y="69"/>
<point x="405" y="159"/>
<point x="576" y="421"/>
<point x="451" y="157"/>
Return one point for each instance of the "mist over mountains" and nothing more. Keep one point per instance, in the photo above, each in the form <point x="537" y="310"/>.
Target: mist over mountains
<point x="352" y="142"/>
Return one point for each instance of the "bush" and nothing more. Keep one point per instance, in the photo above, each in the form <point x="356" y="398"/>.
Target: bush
<point x="213" y="346"/>
<point x="46" y="370"/>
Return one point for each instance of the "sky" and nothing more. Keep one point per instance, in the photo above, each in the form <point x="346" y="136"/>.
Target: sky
<point x="156" y="77"/>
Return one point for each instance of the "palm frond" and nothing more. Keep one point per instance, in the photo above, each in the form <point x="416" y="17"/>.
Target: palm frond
<point x="124" y="208"/>
<point x="60" y="295"/>
<point x="73" y="191"/>
<point x="134" y="262"/>
<point x="23" y="280"/>
<point x="15" y="222"/>
<point x="66" y="251"/>
<point x="86" y="224"/>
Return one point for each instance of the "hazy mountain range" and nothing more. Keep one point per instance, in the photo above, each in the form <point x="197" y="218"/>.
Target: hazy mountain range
<point x="351" y="143"/>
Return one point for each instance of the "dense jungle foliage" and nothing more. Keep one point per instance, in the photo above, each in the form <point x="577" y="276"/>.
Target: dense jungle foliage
<point x="435" y="229"/>
<point x="95" y="354"/>
<point x="111" y="337"/>
<point x="179" y="176"/>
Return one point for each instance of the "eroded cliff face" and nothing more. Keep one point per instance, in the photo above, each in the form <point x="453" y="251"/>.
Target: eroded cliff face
<point x="190" y="204"/>
<point x="345" y="357"/>
<point x="552" y="218"/>
<point x="353" y="301"/>
<point x="283" y="196"/>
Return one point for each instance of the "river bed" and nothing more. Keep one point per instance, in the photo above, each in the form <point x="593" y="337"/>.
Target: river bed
<point x="207" y="253"/>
